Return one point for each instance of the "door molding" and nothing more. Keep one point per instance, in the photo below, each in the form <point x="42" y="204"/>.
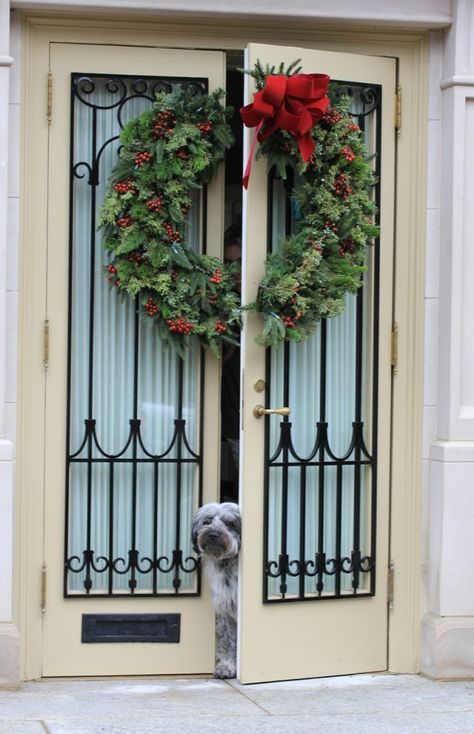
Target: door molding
<point x="411" y="50"/>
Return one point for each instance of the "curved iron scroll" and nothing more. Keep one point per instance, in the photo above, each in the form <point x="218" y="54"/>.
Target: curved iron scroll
<point x="321" y="504"/>
<point x="96" y="562"/>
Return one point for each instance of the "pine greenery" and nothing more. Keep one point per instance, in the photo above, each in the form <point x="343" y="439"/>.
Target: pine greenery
<point x="307" y="277"/>
<point x="166" y="154"/>
<point x="175" y="148"/>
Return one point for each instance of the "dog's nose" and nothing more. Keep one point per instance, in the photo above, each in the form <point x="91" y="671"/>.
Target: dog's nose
<point x="212" y="534"/>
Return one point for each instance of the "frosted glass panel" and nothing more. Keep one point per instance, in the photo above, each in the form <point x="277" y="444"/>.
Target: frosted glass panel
<point x="321" y="464"/>
<point x="134" y="456"/>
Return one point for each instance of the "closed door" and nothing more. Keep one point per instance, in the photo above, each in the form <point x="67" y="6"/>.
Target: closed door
<point x="127" y="429"/>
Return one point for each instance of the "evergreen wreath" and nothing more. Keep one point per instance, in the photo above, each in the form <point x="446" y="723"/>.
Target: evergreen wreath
<point x="166" y="153"/>
<point x="307" y="277"/>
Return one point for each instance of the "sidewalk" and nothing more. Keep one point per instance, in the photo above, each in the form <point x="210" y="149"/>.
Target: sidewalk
<point x="362" y="704"/>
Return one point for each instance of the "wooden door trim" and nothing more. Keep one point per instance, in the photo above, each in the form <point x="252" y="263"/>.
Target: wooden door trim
<point x="411" y="50"/>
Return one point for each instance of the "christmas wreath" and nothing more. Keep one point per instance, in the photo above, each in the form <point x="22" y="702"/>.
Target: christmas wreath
<point x="166" y="154"/>
<point x="313" y="139"/>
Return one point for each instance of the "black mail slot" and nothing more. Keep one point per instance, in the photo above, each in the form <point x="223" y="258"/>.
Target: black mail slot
<point x="131" y="627"/>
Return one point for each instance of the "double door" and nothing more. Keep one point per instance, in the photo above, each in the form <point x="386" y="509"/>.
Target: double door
<point x="132" y="439"/>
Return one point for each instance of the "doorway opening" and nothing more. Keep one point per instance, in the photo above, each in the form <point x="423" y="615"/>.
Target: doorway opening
<point x="230" y="374"/>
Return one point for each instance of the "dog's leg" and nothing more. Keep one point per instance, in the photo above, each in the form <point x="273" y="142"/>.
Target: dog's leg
<point x="226" y="648"/>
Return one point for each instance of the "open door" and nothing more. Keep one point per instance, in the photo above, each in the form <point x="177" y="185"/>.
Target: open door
<point x="315" y="485"/>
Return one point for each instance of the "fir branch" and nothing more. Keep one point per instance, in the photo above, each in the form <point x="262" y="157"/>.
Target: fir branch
<point x="307" y="278"/>
<point x="166" y="153"/>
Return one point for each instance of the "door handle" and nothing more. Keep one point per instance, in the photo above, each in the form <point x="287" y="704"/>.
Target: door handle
<point x="260" y="411"/>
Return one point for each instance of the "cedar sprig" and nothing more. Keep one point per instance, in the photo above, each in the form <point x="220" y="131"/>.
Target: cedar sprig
<point x="259" y="73"/>
<point x="167" y="155"/>
<point x="308" y="276"/>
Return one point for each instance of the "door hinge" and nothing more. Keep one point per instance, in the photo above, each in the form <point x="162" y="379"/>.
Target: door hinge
<point x="394" y="348"/>
<point x="46" y="344"/>
<point x="398" y="110"/>
<point x="49" y="113"/>
<point x="43" y="588"/>
<point x="390" y="584"/>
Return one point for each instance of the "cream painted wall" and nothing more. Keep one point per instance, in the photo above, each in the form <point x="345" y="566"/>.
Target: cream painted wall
<point x="9" y="639"/>
<point x="403" y="13"/>
<point x="448" y="624"/>
<point x="432" y="273"/>
<point x="448" y="464"/>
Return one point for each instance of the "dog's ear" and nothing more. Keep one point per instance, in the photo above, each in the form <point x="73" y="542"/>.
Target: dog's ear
<point x="235" y="510"/>
<point x="194" y="533"/>
<point x="238" y="520"/>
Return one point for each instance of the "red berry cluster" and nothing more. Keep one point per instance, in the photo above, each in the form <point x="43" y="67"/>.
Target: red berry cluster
<point x="172" y="235"/>
<point x="332" y="116"/>
<point x="123" y="187"/>
<point x="124" y="222"/>
<point x="288" y="321"/>
<point x="150" y="307"/>
<point x="348" y="153"/>
<point x="135" y="257"/>
<point x="216" y="278"/>
<point x="142" y="158"/>
<point x="315" y="245"/>
<point x="330" y="225"/>
<point x="113" y="272"/>
<point x="353" y="128"/>
<point x="212" y="299"/>
<point x="341" y="186"/>
<point x="205" y="127"/>
<point x="220" y="326"/>
<point x="347" y="245"/>
<point x="183" y="154"/>
<point x="180" y="325"/>
<point x="154" y="204"/>
<point x="163" y="124"/>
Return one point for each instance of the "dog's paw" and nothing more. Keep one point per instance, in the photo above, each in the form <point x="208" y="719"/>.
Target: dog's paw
<point x="225" y="670"/>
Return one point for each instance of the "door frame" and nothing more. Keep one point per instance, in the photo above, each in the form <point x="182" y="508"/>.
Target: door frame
<point x="411" y="51"/>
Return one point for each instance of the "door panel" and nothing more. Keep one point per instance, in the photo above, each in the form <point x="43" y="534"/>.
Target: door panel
<point x="125" y="416"/>
<point x="315" y="487"/>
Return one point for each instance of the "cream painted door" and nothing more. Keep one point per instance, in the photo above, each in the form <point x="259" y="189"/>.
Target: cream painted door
<point x="316" y="522"/>
<point x="122" y="594"/>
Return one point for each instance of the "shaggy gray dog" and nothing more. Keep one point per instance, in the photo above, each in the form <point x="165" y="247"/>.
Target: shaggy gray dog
<point x="216" y="538"/>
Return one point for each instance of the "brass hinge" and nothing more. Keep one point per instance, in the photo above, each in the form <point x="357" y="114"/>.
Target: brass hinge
<point x="43" y="588"/>
<point x="46" y="344"/>
<point x="394" y="348"/>
<point x="49" y="113"/>
<point x="390" y="584"/>
<point x="398" y="110"/>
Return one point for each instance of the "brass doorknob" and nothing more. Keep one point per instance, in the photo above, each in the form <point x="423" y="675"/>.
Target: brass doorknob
<point x="260" y="411"/>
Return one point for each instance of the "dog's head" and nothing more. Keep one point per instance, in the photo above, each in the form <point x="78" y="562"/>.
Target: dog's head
<point x="216" y="530"/>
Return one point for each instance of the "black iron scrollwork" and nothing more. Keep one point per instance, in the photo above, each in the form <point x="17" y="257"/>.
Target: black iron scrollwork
<point x="320" y="506"/>
<point x="97" y="472"/>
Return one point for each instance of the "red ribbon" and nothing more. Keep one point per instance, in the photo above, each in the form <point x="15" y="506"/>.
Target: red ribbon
<point x="293" y="103"/>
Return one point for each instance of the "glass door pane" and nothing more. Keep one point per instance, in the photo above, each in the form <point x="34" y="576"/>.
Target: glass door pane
<point x="134" y="428"/>
<point x="321" y="463"/>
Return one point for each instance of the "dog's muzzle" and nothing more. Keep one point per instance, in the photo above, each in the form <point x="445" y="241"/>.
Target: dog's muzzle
<point x="213" y="542"/>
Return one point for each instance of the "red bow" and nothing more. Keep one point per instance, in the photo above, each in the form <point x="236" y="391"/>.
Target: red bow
<point x="293" y="103"/>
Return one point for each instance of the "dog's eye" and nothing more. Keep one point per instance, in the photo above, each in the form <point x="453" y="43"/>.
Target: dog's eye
<point x="230" y="524"/>
<point x="207" y="521"/>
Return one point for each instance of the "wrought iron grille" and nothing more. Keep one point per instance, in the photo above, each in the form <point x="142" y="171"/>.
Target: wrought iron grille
<point x="320" y="477"/>
<point x="134" y="440"/>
